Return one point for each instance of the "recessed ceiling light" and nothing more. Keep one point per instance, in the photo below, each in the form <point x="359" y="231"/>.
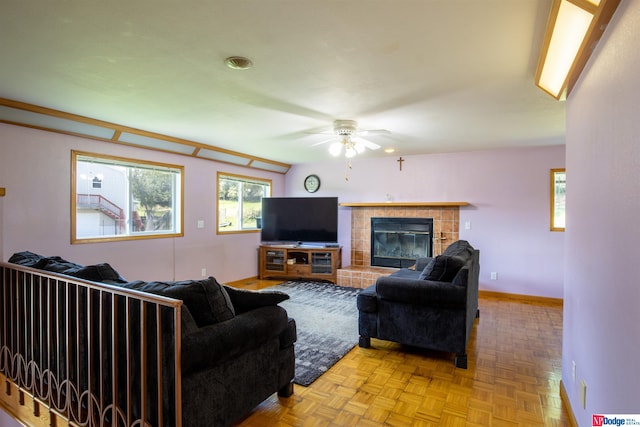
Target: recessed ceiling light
<point x="389" y="150"/>
<point x="238" y="63"/>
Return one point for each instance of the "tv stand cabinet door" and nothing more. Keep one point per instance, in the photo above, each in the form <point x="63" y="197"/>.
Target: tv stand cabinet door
<point x="273" y="261"/>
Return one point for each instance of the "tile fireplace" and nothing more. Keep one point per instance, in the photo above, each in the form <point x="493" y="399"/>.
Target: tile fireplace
<point x="361" y="274"/>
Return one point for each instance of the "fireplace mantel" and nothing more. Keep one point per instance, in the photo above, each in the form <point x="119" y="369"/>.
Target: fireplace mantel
<point x="403" y="204"/>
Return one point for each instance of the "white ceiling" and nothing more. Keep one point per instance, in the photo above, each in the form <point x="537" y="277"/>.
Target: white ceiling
<point x="441" y="75"/>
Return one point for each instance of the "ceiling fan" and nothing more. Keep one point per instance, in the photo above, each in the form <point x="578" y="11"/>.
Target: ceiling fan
<point x="350" y="138"/>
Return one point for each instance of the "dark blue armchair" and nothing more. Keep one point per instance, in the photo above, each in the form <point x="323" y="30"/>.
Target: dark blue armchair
<point x="432" y="307"/>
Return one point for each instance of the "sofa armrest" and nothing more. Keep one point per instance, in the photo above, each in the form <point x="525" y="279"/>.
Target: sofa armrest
<point x="214" y="344"/>
<point x="244" y="300"/>
<point x="421" y="292"/>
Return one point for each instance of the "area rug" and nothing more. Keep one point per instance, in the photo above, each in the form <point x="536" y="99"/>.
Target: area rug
<point x="327" y="322"/>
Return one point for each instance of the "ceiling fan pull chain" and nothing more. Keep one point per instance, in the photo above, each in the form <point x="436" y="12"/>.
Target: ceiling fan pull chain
<point x="346" y="175"/>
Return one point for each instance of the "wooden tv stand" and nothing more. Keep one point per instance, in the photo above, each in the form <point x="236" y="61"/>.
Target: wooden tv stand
<point x="300" y="262"/>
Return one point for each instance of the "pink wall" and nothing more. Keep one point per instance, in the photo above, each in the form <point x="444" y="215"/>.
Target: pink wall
<point x="35" y="169"/>
<point x="509" y="214"/>
<point x="602" y="318"/>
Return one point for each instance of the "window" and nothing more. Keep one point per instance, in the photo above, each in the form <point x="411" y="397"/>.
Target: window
<point x="122" y="199"/>
<point x="558" y="189"/>
<point x="240" y="202"/>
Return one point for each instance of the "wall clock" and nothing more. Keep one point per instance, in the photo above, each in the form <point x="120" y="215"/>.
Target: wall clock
<point x="312" y="183"/>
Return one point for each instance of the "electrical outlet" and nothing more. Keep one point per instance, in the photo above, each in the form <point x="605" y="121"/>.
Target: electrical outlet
<point x="573" y="371"/>
<point x="583" y="394"/>
<point x="467" y="225"/>
<point x="494" y="275"/>
<point x="203" y="272"/>
<point x="200" y="223"/>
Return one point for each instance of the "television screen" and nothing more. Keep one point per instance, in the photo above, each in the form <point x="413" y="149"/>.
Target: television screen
<point x="300" y="219"/>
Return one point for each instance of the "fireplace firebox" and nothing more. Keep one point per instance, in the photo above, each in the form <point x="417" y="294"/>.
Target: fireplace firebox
<point x="397" y="242"/>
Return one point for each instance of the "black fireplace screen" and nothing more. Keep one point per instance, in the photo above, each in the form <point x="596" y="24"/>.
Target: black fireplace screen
<point x="397" y="242"/>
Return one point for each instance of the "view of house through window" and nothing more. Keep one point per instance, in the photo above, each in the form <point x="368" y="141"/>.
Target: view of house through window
<point x="115" y="198"/>
<point x="240" y="202"/>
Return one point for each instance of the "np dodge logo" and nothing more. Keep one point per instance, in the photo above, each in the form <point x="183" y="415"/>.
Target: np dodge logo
<point x="614" y="420"/>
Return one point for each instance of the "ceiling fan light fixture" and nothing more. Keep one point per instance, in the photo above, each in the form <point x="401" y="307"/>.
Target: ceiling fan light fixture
<point x="335" y="149"/>
<point x="350" y="152"/>
<point x="349" y="137"/>
<point x="238" y="63"/>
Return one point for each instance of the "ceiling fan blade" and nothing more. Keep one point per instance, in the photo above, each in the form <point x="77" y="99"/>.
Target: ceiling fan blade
<point x="365" y="132"/>
<point x="326" y="132"/>
<point x="324" y="141"/>
<point x="370" y="145"/>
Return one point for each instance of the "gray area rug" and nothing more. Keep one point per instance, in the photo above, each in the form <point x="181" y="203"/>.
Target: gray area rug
<point x="327" y="321"/>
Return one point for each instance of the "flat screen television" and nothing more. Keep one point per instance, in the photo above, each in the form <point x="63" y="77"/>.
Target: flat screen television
<point x="302" y="220"/>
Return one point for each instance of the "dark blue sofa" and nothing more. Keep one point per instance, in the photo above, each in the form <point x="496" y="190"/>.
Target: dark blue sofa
<point x="237" y="345"/>
<point x="433" y="306"/>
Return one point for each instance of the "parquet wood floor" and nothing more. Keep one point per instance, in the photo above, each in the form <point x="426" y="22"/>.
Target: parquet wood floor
<point x="513" y="378"/>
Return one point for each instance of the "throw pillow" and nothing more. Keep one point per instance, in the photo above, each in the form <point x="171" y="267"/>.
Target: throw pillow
<point x="442" y="268"/>
<point x="97" y="273"/>
<point x="427" y="269"/>
<point x="26" y="258"/>
<point x="460" y="248"/>
<point x="245" y="300"/>
<point x="207" y="300"/>
<point x="59" y="265"/>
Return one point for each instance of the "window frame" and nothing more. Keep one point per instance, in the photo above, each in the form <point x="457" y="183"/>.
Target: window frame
<point x="555" y="185"/>
<point x="178" y="229"/>
<point x="242" y="178"/>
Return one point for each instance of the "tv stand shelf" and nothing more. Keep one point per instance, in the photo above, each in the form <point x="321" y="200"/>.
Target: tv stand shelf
<point x="300" y="262"/>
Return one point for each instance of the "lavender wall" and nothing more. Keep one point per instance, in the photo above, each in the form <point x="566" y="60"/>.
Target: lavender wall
<point x="7" y="421"/>
<point x="509" y="214"/>
<point x="601" y="315"/>
<point x="35" y="169"/>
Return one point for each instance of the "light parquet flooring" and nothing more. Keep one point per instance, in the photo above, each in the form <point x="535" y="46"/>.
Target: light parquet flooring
<point x="513" y="379"/>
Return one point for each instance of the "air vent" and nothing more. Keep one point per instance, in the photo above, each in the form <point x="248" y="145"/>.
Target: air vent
<point x="238" y="63"/>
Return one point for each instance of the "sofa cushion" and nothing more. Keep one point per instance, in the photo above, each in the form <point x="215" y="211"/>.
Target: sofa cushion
<point x="206" y="299"/>
<point x="426" y="293"/>
<point x="442" y="268"/>
<point x="244" y="300"/>
<point x="405" y="273"/>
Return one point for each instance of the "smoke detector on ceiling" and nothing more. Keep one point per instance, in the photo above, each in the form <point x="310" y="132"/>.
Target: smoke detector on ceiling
<point x="238" y="63"/>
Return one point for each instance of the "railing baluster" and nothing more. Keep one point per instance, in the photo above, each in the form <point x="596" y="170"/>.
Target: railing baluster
<point x="100" y="352"/>
<point x="143" y="358"/>
<point x="62" y="344"/>
<point x="159" y="362"/>
<point x="114" y="359"/>
<point x="129" y="359"/>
